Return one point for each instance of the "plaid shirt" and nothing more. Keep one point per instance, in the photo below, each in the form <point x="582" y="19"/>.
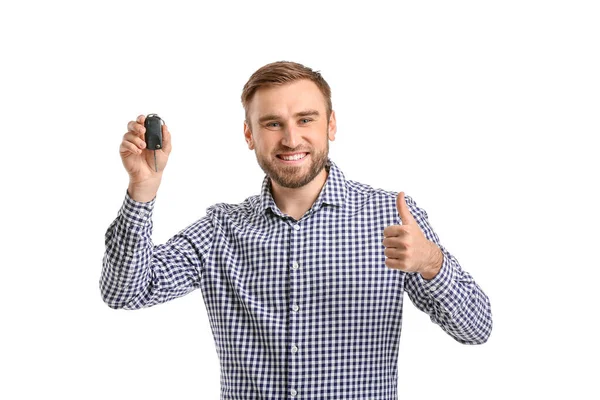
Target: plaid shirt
<point x="301" y="309"/>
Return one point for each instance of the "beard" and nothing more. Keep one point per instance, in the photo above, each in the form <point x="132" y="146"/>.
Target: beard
<point x="293" y="177"/>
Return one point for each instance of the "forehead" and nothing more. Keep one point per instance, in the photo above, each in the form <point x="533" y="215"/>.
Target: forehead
<point x="287" y="99"/>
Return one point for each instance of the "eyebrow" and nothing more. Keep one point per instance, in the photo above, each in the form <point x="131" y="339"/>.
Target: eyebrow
<point x="305" y="113"/>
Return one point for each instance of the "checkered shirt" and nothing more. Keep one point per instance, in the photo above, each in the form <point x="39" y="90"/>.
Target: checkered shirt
<point x="299" y="309"/>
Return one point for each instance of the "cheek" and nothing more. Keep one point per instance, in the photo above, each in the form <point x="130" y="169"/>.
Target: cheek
<point x="262" y="146"/>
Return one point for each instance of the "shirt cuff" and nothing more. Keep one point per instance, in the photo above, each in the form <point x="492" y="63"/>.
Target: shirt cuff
<point x="440" y="284"/>
<point x="135" y="212"/>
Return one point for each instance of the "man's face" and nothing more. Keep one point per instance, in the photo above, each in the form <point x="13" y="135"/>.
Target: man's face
<point x="289" y="131"/>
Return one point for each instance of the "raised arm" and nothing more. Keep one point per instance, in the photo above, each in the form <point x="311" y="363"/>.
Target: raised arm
<point x="135" y="272"/>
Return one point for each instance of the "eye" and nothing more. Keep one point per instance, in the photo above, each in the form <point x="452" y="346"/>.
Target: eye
<point x="273" y="124"/>
<point x="305" y="120"/>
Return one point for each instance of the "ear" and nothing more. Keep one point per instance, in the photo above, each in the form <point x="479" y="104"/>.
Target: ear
<point x="248" y="136"/>
<point x="332" y="128"/>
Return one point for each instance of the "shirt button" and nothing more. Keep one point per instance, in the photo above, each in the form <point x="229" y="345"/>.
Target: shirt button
<point x="297" y="227"/>
<point x="293" y="392"/>
<point x="294" y="349"/>
<point x="295" y="265"/>
<point x="295" y="308"/>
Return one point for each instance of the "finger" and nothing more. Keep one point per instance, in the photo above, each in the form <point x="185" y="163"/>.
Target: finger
<point x="394" y="264"/>
<point x="394" y="253"/>
<point x="128" y="147"/>
<point x="136" y="127"/>
<point x="134" y="139"/>
<point x="166" y="137"/>
<point x="403" y="211"/>
<point x="140" y="119"/>
<point x="393" y="230"/>
<point x="394" y="242"/>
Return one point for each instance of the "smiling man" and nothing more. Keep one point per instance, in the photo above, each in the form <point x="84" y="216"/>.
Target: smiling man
<point x="303" y="283"/>
<point x="289" y="127"/>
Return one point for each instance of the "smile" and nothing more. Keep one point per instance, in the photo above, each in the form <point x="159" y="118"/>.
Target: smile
<point x="292" y="157"/>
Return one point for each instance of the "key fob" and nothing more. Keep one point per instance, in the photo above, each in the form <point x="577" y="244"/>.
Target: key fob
<point x="153" y="135"/>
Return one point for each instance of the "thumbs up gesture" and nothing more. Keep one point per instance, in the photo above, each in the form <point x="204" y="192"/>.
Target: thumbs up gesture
<point x="406" y="247"/>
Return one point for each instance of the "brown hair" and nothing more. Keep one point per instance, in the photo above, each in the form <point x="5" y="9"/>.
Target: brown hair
<point x="282" y="72"/>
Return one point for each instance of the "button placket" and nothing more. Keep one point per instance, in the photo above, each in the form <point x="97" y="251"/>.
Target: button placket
<point x="295" y="277"/>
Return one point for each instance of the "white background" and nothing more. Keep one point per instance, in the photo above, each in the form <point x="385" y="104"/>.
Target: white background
<point x="486" y="113"/>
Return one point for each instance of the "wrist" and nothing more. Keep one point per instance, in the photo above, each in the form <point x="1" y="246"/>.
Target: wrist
<point x="143" y="192"/>
<point x="434" y="266"/>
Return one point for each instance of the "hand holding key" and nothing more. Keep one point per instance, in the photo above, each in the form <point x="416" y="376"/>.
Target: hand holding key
<point x="145" y="172"/>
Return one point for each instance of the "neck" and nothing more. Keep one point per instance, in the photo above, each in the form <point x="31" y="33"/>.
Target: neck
<point x="296" y="202"/>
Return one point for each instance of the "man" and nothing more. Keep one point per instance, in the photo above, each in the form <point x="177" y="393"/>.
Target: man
<point x="303" y="283"/>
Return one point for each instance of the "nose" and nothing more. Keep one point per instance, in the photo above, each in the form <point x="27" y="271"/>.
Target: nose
<point x="291" y="136"/>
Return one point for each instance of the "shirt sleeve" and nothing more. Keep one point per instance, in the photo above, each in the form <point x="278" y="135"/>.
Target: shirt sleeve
<point x="452" y="298"/>
<point x="136" y="273"/>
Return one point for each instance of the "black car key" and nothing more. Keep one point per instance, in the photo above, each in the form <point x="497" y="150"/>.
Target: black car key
<point x="153" y="136"/>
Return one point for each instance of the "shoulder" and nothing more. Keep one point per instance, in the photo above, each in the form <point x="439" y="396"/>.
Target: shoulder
<point x="238" y="214"/>
<point x="247" y="207"/>
<point x="222" y="218"/>
<point x="361" y="194"/>
<point x="364" y="190"/>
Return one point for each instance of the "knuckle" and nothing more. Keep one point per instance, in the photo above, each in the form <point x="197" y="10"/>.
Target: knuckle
<point x="397" y="243"/>
<point x="389" y="230"/>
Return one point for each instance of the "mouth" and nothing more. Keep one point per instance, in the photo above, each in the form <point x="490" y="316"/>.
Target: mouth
<point x="292" y="158"/>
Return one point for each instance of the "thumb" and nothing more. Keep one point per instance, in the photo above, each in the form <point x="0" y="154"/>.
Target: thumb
<point x="403" y="211"/>
<point x="166" y="137"/>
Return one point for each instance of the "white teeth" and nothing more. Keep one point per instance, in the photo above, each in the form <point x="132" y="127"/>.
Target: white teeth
<point x="294" y="157"/>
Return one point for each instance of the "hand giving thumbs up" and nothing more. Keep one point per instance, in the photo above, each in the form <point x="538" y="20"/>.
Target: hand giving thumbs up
<point x="406" y="247"/>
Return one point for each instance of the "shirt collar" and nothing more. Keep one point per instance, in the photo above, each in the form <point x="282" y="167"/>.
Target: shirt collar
<point x="333" y="192"/>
